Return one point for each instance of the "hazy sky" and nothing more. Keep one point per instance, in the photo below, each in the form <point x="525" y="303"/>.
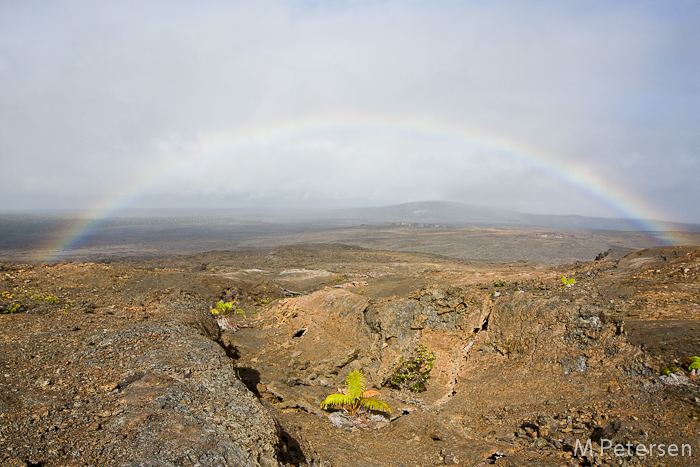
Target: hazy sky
<point x="580" y="107"/>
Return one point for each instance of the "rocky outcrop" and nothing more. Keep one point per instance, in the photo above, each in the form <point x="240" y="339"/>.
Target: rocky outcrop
<point x="151" y="392"/>
<point x="520" y="325"/>
<point x="445" y="308"/>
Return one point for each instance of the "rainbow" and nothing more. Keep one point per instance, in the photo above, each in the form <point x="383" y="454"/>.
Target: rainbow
<point x="224" y="143"/>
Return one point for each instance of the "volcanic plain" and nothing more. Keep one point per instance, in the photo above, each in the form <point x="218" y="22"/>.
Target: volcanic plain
<point x="542" y="342"/>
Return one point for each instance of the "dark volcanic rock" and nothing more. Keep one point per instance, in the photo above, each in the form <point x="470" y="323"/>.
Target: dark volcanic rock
<point x="153" y="392"/>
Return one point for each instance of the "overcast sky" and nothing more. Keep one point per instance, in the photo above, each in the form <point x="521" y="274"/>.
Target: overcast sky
<point x="581" y="107"/>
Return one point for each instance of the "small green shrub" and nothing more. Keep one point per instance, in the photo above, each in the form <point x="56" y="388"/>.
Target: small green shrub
<point x="336" y="279"/>
<point x="567" y="282"/>
<point x="264" y="301"/>
<point x="499" y="283"/>
<point x="45" y="297"/>
<point x="8" y="303"/>
<point x="226" y="308"/>
<point x="694" y="365"/>
<point x="11" y="308"/>
<point x="413" y="372"/>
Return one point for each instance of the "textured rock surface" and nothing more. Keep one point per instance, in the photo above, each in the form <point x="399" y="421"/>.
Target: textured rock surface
<point x="136" y="371"/>
<point x="149" y="388"/>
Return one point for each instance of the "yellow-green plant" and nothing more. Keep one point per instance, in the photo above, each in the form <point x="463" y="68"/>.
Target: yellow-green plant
<point x="694" y="364"/>
<point x="222" y="308"/>
<point x="355" y="397"/>
<point x="11" y="306"/>
<point x="226" y="309"/>
<point x="567" y="282"/>
<point x="19" y="299"/>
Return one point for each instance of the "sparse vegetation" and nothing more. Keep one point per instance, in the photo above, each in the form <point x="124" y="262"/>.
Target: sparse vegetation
<point x="567" y="282"/>
<point x="226" y="308"/>
<point x="694" y="365"/>
<point x="222" y="308"/>
<point x="18" y="300"/>
<point x="223" y="313"/>
<point x="11" y="308"/>
<point x="336" y="279"/>
<point x="354" y="396"/>
<point x="413" y="372"/>
<point x="263" y="302"/>
<point x="499" y="283"/>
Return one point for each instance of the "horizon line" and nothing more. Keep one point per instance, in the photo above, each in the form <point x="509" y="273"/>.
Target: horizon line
<point x="78" y="213"/>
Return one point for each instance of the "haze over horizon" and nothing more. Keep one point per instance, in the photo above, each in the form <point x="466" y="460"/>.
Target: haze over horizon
<point x="583" y="108"/>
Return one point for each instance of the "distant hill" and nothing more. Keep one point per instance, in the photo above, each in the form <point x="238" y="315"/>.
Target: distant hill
<point x="452" y="213"/>
<point x="22" y="226"/>
<point x="433" y="212"/>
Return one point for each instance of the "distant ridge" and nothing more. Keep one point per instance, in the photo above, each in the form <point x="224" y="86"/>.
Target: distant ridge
<point x="433" y="212"/>
<point x="453" y="213"/>
<point x="447" y="213"/>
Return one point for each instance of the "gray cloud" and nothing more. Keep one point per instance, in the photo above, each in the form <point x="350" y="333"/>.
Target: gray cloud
<point x="181" y="104"/>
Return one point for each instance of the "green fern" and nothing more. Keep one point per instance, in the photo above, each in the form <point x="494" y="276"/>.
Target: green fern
<point x="354" y="396"/>
<point x="337" y="400"/>
<point x="355" y="384"/>
<point x="226" y="309"/>
<point x="375" y="404"/>
<point x="223" y="308"/>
